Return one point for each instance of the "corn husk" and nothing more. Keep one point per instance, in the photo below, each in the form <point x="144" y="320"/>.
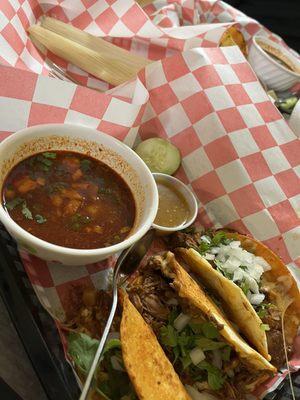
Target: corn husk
<point x="94" y="55"/>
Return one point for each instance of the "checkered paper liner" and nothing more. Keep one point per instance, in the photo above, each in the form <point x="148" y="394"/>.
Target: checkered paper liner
<point x="160" y="30"/>
<point x="238" y="154"/>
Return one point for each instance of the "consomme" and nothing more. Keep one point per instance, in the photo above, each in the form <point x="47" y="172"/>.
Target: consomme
<point x="69" y="199"/>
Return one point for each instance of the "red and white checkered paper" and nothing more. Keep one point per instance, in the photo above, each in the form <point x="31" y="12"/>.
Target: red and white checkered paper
<point x="238" y="154"/>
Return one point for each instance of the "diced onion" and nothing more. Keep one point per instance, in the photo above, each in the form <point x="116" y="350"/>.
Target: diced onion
<point x="214" y="250"/>
<point x="209" y="256"/>
<point x="195" y="395"/>
<point x="181" y="321"/>
<point x="115" y="363"/>
<point x="217" y="359"/>
<point x="235" y="244"/>
<point x="241" y="266"/>
<point x="205" y="239"/>
<point x="197" y="355"/>
<point x="256" y="299"/>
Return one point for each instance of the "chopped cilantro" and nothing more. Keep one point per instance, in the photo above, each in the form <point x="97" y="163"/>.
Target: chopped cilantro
<point x="245" y="287"/>
<point x="204" y="247"/>
<point x="209" y="330"/>
<point x="10" y="205"/>
<point x="40" y="219"/>
<point x="218" y="238"/>
<point x="77" y="221"/>
<point x="56" y="187"/>
<point x="243" y="267"/>
<point x="26" y="212"/>
<point x="226" y="353"/>
<point x="43" y="162"/>
<point x="186" y="361"/>
<point x="85" y="165"/>
<point x="262" y="309"/>
<point x="168" y="336"/>
<point x="196" y="334"/>
<point x="215" y="377"/>
<point x="219" y="268"/>
<point x="264" y="327"/>
<point x="208" y="344"/>
<point x="172" y="316"/>
<point x="48" y="154"/>
<point x="196" y="327"/>
<point x="103" y="190"/>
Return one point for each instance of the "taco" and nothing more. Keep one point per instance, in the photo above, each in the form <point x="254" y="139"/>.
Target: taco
<point x="207" y="353"/>
<point x="233" y="37"/>
<point x="133" y="365"/>
<point x="256" y="289"/>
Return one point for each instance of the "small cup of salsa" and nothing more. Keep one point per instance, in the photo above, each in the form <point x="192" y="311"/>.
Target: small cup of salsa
<point x="177" y="208"/>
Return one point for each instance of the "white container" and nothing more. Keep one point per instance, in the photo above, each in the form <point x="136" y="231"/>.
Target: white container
<point x="83" y="140"/>
<point x="268" y="70"/>
<point x="186" y="193"/>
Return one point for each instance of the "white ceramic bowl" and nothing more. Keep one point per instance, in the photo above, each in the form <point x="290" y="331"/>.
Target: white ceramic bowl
<point x="84" y="140"/>
<point x="268" y="70"/>
<point x="186" y="193"/>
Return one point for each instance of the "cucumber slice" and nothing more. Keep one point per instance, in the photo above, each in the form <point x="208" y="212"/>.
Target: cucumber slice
<point x="159" y="155"/>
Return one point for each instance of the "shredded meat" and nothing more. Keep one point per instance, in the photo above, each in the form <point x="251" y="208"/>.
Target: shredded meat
<point x="274" y="337"/>
<point x="90" y="311"/>
<point x="150" y="293"/>
<point x="183" y="239"/>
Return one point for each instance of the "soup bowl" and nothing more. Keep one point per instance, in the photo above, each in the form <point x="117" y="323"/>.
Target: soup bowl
<point x="110" y="151"/>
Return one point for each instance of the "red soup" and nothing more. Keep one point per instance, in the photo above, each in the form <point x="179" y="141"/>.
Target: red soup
<point x="69" y="199"/>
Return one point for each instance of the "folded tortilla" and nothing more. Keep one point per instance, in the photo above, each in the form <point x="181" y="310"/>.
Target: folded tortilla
<point x="150" y="371"/>
<point x="192" y="292"/>
<point x="279" y="281"/>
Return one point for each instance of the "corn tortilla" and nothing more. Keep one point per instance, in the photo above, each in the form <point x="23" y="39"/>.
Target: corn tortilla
<point x="194" y="295"/>
<point x="150" y="371"/>
<point x="283" y="289"/>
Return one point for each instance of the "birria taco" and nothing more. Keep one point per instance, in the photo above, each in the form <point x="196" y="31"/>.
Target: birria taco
<point x="256" y="289"/>
<point x="133" y="365"/>
<point x="210" y="357"/>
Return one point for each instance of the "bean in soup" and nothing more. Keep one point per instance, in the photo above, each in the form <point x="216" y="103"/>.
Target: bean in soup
<point x="70" y="200"/>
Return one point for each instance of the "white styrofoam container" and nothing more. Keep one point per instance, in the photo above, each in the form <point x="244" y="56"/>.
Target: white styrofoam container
<point x="268" y="70"/>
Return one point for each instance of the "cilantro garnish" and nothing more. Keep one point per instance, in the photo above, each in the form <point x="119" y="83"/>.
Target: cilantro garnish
<point x="204" y="247"/>
<point x="169" y="336"/>
<point x="212" y="240"/>
<point x="208" y="344"/>
<point x="209" y="330"/>
<point x="26" y="212"/>
<point x="215" y="376"/>
<point x="56" y="187"/>
<point x="77" y="221"/>
<point x="40" y="219"/>
<point x="85" y="165"/>
<point x="196" y="334"/>
<point x="245" y="287"/>
<point x="10" y="205"/>
<point x="17" y="201"/>
<point x="48" y="154"/>
<point x="264" y="327"/>
<point x="262" y="309"/>
<point x="219" y="238"/>
<point x="42" y="161"/>
<point x="226" y="353"/>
